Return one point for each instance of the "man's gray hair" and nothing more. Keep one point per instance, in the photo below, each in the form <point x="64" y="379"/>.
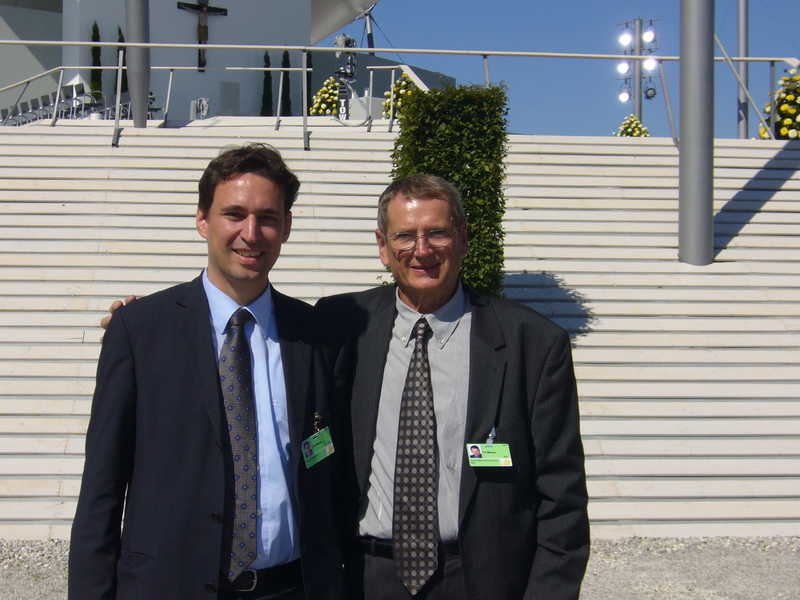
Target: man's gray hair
<point x="425" y="187"/>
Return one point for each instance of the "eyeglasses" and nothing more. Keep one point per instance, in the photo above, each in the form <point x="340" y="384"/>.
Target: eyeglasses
<point x="403" y="241"/>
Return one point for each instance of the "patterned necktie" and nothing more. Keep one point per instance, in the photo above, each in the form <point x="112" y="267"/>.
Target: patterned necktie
<point x="236" y="381"/>
<point x="415" y="525"/>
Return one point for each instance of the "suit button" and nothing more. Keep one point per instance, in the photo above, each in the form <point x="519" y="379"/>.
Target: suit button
<point x="211" y="588"/>
<point x="216" y="517"/>
<point x="219" y="446"/>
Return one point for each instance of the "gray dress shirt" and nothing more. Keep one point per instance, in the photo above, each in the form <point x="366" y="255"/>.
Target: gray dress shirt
<point x="448" y="352"/>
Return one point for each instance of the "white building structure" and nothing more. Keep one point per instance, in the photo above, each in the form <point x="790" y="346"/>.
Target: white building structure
<point x="230" y="92"/>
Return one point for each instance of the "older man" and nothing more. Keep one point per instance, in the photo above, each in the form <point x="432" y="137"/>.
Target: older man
<point x="440" y="368"/>
<point x="205" y="394"/>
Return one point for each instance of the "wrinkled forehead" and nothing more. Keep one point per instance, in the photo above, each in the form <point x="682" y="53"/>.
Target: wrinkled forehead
<point x="422" y="207"/>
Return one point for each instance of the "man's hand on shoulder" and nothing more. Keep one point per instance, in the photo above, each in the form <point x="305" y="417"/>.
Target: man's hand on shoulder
<point x="112" y="309"/>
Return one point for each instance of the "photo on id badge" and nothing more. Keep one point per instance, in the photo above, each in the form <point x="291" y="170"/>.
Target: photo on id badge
<point x="316" y="448"/>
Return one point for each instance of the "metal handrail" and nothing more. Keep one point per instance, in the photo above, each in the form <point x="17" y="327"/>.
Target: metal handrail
<point x="743" y="87"/>
<point x="481" y="53"/>
<point x="792" y="62"/>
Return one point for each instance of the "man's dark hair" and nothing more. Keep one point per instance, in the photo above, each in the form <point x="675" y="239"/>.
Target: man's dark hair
<point x="259" y="159"/>
<point x="424" y="187"/>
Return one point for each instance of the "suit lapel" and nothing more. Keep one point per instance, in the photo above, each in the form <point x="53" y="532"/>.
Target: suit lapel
<point x="373" y="347"/>
<point x="487" y="374"/>
<point x="194" y="323"/>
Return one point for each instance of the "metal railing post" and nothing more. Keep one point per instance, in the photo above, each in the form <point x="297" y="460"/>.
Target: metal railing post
<point x="486" y="69"/>
<point x="742" y="114"/>
<point x="369" y="101"/>
<point x="280" y="98"/>
<point x="115" y="137"/>
<point x="391" y="102"/>
<point x="169" y="96"/>
<point x="772" y="104"/>
<point x="57" y="101"/>
<point x="22" y="93"/>
<point x="304" y="96"/>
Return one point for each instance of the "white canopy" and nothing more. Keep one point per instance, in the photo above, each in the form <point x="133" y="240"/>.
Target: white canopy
<point x="329" y="15"/>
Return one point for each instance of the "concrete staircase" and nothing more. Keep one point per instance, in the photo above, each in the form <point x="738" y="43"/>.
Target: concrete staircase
<point x="689" y="376"/>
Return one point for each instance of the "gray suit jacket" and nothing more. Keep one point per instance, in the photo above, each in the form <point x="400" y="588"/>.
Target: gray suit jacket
<point x="523" y="530"/>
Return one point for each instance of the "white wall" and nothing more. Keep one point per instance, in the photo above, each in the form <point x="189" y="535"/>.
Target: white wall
<point x="273" y="22"/>
<point x="21" y="62"/>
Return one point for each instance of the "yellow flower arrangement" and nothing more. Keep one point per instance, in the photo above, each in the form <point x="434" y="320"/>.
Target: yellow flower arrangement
<point x="787" y="125"/>
<point x="402" y="87"/>
<point x="632" y="127"/>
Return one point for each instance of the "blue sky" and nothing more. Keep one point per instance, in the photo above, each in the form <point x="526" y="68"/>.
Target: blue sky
<point x="577" y="97"/>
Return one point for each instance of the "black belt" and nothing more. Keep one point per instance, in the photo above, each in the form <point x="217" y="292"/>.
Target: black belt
<point x="265" y="580"/>
<point x="383" y="548"/>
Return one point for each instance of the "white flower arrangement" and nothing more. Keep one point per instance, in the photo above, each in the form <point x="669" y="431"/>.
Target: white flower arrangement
<point x="325" y="100"/>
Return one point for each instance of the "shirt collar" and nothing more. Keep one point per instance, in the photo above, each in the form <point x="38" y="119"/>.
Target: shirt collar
<point x="443" y="321"/>
<point x="223" y="306"/>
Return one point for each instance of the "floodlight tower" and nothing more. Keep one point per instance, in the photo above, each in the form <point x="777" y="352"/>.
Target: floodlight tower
<point x="642" y="40"/>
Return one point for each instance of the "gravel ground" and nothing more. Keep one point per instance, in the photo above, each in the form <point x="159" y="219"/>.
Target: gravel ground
<point x="623" y="569"/>
<point x="694" y="569"/>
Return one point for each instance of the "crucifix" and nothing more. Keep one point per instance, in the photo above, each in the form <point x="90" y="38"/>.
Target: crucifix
<point x="203" y="11"/>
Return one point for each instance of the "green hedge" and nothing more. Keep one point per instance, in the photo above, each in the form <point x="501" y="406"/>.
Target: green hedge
<point x="460" y="133"/>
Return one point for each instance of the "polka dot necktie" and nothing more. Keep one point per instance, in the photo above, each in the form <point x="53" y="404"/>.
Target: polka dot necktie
<point x="415" y="525"/>
<point x="236" y="381"/>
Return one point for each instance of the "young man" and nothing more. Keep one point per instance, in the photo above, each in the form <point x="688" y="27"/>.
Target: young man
<point x="204" y="394"/>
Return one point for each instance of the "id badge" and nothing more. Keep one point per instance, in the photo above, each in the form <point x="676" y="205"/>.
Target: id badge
<point x="316" y="448"/>
<point x="489" y="455"/>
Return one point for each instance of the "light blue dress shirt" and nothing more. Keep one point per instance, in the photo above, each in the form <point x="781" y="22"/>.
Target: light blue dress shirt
<point x="278" y="541"/>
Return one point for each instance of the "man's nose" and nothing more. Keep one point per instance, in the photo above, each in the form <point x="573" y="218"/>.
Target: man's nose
<point x="250" y="232"/>
<point x="421" y="245"/>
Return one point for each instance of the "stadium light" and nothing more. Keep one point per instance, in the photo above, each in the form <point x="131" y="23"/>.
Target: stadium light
<point x="649" y="35"/>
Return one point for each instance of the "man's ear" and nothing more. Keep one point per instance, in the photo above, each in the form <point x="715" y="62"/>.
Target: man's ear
<point x="383" y="248"/>
<point x="201" y="223"/>
<point x="463" y="238"/>
<point x="287" y="226"/>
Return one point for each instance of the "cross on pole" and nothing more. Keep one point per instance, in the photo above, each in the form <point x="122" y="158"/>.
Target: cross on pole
<point x="203" y="11"/>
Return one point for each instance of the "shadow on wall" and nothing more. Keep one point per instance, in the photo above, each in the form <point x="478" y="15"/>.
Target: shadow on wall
<point x="546" y="293"/>
<point x="740" y="210"/>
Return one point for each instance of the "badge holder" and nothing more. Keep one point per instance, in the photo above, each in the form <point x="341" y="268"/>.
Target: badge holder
<point x="319" y="446"/>
<point x="489" y="454"/>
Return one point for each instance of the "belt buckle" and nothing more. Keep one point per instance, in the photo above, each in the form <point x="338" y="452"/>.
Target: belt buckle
<point x="255" y="580"/>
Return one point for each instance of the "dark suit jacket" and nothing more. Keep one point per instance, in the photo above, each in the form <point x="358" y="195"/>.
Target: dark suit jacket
<point x="523" y="530"/>
<point x="154" y="446"/>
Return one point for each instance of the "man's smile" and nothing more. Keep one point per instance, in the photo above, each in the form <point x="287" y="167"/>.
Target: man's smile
<point x="248" y="253"/>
